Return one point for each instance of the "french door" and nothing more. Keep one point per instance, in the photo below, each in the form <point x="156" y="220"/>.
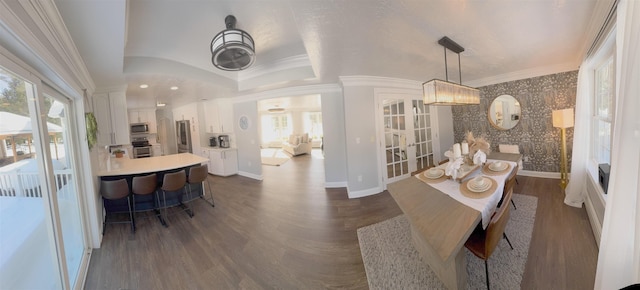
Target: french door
<point x="406" y="136"/>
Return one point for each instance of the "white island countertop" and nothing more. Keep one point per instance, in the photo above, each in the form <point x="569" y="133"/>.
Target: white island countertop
<point x="126" y="166"/>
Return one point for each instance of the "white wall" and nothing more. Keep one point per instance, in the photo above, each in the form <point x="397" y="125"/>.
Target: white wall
<point x="333" y="125"/>
<point x="248" y="141"/>
<point x="360" y="141"/>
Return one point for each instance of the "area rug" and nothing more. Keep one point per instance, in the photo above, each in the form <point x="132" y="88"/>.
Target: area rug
<point x="273" y="157"/>
<point x="391" y="261"/>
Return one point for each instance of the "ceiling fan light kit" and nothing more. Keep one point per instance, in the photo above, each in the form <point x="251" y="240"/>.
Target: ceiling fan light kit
<point x="439" y="92"/>
<point x="232" y="49"/>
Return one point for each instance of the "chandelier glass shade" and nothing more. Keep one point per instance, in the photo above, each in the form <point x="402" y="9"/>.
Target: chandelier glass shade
<point x="439" y="92"/>
<point x="232" y="49"/>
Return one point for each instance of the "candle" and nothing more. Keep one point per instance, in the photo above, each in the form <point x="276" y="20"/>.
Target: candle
<point x="465" y="148"/>
<point x="456" y="150"/>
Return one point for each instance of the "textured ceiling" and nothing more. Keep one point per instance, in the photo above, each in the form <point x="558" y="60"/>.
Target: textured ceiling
<point x="168" y="41"/>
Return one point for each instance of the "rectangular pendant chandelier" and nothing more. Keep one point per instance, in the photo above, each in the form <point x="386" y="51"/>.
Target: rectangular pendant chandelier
<point x="445" y="93"/>
<point x="439" y="92"/>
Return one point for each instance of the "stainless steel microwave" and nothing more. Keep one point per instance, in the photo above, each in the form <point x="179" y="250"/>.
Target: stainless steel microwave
<point x="139" y="128"/>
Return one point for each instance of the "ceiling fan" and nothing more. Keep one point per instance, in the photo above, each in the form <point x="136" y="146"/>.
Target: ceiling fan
<point x="232" y="49"/>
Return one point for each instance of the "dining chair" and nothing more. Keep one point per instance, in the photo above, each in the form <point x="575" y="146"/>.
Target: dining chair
<point x="198" y="175"/>
<point x="144" y="189"/>
<point x="173" y="185"/>
<point x="514" y="149"/>
<point x="509" y="185"/>
<point x="483" y="243"/>
<point x="114" y="192"/>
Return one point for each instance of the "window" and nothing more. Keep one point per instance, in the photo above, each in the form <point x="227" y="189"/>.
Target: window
<point x="603" y="96"/>
<point x="275" y="128"/>
<point x="313" y="124"/>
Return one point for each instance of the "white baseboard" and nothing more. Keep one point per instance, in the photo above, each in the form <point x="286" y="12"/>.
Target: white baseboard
<point x="363" y="193"/>
<point x="554" y="175"/>
<point x="251" y="175"/>
<point x="335" y="184"/>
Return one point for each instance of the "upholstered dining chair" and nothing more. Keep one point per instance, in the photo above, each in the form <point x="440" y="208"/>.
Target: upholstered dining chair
<point x="144" y="189"/>
<point x="114" y="192"/>
<point x="515" y="149"/>
<point x="483" y="243"/>
<point x="198" y="175"/>
<point x="509" y="185"/>
<point x="173" y="185"/>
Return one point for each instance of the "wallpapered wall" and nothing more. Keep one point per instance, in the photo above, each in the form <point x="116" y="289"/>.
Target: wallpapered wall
<point x="539" y="141"/>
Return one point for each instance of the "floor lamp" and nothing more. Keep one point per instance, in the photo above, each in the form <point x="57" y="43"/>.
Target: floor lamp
<point x="563" y="119"/>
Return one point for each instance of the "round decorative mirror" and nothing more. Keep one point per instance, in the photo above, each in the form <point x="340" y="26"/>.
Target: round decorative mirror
<point x="504" y="112"/>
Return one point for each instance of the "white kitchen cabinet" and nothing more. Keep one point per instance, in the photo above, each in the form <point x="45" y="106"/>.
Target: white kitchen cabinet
<point x="144" y="116"/>
<point x="218" y="116"/>
<point x="110" y="110"/>
<point x="223" y="162"/>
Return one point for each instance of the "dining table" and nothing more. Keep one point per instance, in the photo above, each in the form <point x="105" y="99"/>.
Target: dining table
<point x="443" y="213"/>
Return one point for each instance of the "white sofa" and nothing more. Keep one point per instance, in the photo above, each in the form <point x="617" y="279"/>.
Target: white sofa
<point x="297" y="144"/>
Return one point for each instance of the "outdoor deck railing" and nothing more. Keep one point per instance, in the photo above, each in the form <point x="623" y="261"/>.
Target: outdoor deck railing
<point x="28" y="184"/>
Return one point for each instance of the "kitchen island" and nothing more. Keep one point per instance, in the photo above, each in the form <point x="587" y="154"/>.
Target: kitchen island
<point x="140" y="166"/>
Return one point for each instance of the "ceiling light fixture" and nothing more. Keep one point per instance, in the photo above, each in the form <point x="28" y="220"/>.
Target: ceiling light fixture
<point x="439" y="92"/>
<point x="276" y="110"/>
<point x="232" y="49"/>
<point x="173" y="88"/>
<point x="144" y="86"/>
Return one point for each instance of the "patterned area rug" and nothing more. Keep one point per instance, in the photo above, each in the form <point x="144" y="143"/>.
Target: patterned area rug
<point x="273" y="157"/>
<point x="391" y="261"/>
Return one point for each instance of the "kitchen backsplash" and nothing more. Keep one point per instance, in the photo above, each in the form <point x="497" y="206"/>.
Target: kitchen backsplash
<point x="539" y="141"/>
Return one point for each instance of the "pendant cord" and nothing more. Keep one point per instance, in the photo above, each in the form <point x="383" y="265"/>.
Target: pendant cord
<point x="459" y="69"/>
<point x="446" y="67"/>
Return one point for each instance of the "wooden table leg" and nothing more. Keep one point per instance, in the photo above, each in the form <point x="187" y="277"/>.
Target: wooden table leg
<point x="452" y="273"/>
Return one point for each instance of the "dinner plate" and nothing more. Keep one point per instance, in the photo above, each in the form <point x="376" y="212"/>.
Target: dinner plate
<point x="434" y="173"/>
<point x="471" y="185"/>
<point x="498" y="166"/>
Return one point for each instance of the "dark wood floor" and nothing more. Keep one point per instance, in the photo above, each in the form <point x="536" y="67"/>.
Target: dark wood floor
<point x="289" y="232"/>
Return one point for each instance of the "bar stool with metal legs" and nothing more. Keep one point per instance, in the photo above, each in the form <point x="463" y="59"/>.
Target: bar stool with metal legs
<point x="144" y="189"/>
<point x="198" y="175"/>
<point x="113" y="193"/>
<point x="173" y="185"/>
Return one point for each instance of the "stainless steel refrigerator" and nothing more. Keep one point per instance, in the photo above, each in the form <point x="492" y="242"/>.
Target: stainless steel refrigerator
<point x="183" y="132"/>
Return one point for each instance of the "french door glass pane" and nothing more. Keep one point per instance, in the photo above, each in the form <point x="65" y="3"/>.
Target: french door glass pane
<point x="27" y="255"/>
<point x="424" y="151"/>
<point x="67" y="195"/>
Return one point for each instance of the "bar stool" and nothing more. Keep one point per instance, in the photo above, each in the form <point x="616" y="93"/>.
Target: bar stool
<point x="174" y="184"/>
<point x="143" y="189"/>
<point x="198" y="175"/>
<point x="113" y="191"/>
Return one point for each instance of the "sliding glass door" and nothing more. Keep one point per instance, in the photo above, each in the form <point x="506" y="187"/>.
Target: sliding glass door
<point x="42" y="242"/>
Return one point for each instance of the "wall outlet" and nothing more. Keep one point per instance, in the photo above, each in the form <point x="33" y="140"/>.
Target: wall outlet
<point x="359" y="178"/>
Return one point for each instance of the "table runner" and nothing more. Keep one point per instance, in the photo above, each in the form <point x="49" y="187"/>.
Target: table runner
<point x="486" y="206"/>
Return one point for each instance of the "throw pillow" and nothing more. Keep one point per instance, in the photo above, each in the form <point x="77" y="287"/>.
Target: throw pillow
<point x="305" y="138"/>
<point x="292" y="139"/>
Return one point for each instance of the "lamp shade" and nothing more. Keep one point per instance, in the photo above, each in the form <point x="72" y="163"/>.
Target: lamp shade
<point x="439" y="92"/>
<point x="563" y="118"/>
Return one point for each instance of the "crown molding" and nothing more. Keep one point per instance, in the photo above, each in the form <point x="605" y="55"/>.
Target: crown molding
<point x="524" y="74"/>
<point x="280" y="65"/>
<point x="289" y="92"/>
<point x="55" y="59"/>
<point x="373" y="81"/>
